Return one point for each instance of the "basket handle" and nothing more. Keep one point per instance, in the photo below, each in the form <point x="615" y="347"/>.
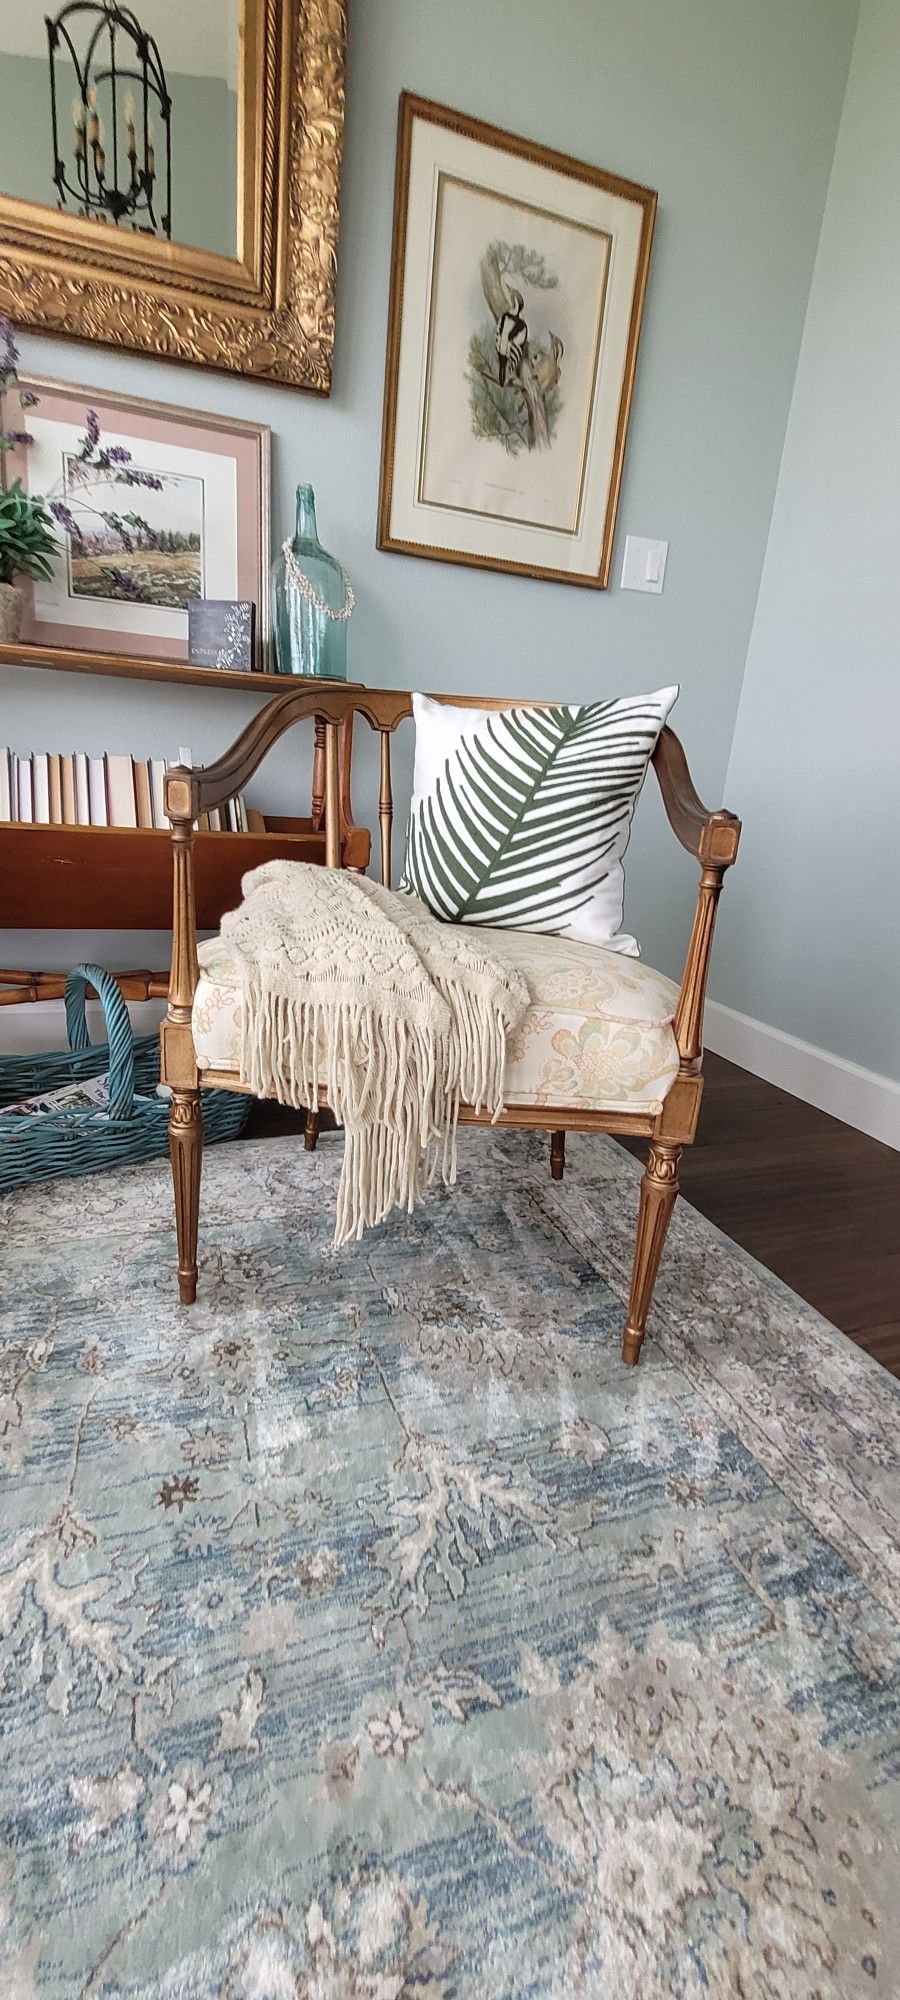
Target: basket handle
<point x="118" y="1031"/>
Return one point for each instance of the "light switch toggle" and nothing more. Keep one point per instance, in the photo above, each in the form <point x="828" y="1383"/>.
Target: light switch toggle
<point x="644" y="564"/>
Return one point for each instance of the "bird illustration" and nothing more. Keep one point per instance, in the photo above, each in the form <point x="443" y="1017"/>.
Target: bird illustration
<point x="512" y="339"/>
<point x="545" y="363"/>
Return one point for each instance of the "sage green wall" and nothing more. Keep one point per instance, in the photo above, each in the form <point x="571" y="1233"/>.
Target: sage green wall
<point x="810" y="934"/>
<point x="731" y="111"/>
<point x="204" y="148"/>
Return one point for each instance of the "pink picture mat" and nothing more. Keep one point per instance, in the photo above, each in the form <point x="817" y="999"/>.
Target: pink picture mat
<point x="133" y="420"/>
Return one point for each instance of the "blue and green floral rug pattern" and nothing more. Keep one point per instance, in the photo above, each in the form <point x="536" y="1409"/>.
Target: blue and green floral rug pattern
<point x="368" y="1632"/>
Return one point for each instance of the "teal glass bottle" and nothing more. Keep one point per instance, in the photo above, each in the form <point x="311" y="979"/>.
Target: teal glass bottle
<point x="310" y="633"/>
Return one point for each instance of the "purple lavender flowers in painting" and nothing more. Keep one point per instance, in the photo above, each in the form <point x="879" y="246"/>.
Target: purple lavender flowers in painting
<point x="134" y="557"/>
<point x="124" y="585"/>
<point x="152" y="557"/>
<point x="10" y="386"/>
<point x="65" y="518"/>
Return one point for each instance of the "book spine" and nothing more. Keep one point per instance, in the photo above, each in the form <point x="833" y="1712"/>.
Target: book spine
<point x="142" y="796"/>
<point x="120" y="789"/>
<point x="40" y="788"/>
<point x="97" y="791"/>
<point x="67" y="787"/>
<point x="157" y="787"/>
<point x="6" y="802"/>
<point x="55" y="771"/>
<point x="23" y="788"/>
<point x="82" y="792"/>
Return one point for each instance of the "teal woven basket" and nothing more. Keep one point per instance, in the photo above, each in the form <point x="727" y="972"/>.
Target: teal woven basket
<point x="46" y="1145"/>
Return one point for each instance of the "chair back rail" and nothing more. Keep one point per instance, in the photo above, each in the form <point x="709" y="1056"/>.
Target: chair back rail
<point x="712" y="837"/>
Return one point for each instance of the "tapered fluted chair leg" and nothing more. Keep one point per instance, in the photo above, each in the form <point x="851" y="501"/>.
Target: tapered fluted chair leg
<point x="557" y="1155"/>
<point x="186" y="1151"/>
<point x="659" y="1191"/>
<point x="311" y="1130"/>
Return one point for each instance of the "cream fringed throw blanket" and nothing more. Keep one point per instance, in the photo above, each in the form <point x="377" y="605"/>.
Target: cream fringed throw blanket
<point x="400" y="1018"/>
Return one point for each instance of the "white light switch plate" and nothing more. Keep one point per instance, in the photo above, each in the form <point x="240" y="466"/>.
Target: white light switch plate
<point x="644" y="564"/>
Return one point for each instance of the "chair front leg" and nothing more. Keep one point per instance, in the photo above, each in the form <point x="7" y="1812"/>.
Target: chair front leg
<point x="659" y="1191"/>
<point x="186" y="1151"/>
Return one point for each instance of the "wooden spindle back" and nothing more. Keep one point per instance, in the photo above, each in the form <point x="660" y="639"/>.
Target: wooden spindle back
<point x="385" y="807"/>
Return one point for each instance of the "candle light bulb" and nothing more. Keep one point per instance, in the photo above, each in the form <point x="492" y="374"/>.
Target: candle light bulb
<point x="129" y="108"/>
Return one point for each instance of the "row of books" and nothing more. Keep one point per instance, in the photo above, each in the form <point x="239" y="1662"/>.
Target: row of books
<point x="51" y="789"/>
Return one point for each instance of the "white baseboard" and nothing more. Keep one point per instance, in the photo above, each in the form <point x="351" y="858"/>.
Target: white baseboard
<point x="858" y="1096"/>
<point x="42" y="1025"/>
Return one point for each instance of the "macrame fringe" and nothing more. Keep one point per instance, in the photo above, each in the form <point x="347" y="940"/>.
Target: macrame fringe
<point x="395" y="1057"/>
<point x="396" y="1087"/>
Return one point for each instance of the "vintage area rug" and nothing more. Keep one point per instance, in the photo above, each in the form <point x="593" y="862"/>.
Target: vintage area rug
<point x="368" y="1632"/>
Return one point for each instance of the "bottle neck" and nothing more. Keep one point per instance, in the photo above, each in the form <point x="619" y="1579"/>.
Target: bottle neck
<point x="305" y="529"/>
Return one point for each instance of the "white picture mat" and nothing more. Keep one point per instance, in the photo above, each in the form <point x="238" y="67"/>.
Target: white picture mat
<point x="541" y="487"/>
<point x="52" y="603"/>
<point x="435" y="150"/>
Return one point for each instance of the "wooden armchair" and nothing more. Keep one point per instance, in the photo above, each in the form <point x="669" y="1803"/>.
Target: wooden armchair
<point x="669" y="1124"/>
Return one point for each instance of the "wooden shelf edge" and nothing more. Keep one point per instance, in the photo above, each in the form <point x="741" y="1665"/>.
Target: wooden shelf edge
<point x="65" y="660"/>
<point x="64" y="835"/>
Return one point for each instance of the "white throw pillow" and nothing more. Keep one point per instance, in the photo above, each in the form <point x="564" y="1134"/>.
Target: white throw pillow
<point x="520" y="816"/>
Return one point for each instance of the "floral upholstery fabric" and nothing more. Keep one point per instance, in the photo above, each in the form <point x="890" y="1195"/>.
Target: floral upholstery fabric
<point x="597" y="1036"/>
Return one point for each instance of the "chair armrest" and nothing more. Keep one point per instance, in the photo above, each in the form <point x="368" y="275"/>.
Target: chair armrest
<point x="190" y="792"/>
<point x="712" y="836"/>
<point x="211" y="784"/>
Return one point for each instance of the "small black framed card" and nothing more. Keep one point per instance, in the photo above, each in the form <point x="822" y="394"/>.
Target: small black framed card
<point x="222" y="634"/>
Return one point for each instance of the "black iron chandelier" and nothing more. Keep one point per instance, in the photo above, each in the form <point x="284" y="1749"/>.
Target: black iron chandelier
<point x="120" y="85"/>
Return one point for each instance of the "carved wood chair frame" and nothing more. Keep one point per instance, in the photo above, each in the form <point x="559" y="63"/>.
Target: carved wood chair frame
<point x="712" y="837"/>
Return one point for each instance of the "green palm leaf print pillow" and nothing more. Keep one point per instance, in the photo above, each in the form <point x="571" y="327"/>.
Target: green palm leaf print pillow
<point x="520" y="816"/>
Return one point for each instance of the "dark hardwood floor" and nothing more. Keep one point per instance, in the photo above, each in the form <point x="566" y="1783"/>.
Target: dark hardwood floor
<point x="815" y="1201"/>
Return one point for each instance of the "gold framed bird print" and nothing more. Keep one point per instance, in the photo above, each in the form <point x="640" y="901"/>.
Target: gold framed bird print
<point x="517" y="289"/>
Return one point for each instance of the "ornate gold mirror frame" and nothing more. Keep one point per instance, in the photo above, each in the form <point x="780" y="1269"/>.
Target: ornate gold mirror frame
<point x="268" y="312"/>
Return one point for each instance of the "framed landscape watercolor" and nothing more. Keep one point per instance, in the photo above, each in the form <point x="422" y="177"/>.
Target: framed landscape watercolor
<point x="517" y="288"/>
<point x="151" y="506"/>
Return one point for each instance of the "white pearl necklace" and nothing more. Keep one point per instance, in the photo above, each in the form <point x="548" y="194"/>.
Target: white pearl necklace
<point x="302" y="583"/>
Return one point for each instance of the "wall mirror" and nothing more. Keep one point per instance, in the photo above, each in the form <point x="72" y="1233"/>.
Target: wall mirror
<point x="170" y="175"/>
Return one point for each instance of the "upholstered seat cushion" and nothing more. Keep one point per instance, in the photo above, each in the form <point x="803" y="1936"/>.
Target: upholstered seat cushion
<point x="597" y="1036"/>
